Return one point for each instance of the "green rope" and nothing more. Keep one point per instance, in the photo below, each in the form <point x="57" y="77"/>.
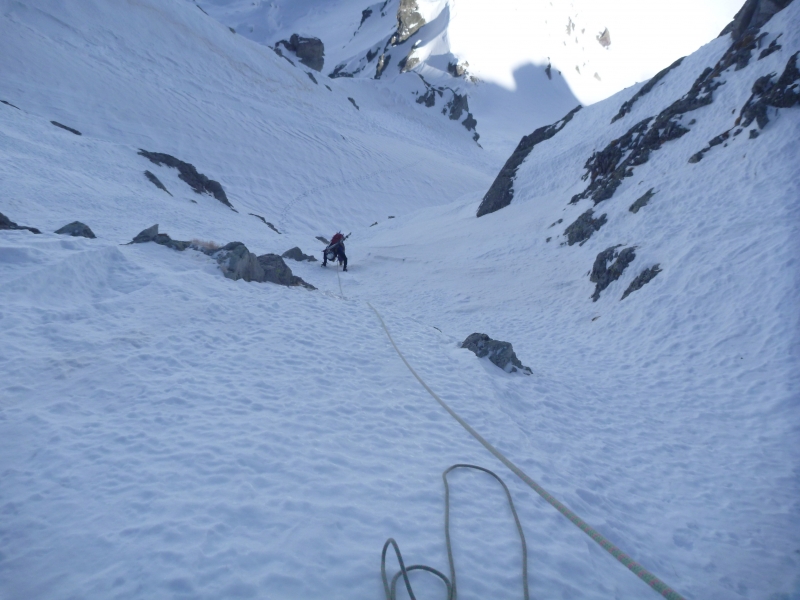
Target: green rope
<point x="390" y="589"/>
<point x="654" y="582"/>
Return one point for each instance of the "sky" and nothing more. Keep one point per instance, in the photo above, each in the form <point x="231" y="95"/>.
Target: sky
<point x="647" y="36"/>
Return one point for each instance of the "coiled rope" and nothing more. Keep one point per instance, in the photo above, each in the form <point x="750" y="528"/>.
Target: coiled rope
<point x="649" y="578"/>
<point x="390" y="588"/>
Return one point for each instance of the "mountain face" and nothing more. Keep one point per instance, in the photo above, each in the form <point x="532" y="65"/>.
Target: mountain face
<point x="464" y="58"/>
<point x="192" y="407"/>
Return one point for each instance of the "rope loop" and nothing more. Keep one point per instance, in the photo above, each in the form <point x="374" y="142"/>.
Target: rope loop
<point x="390" y="589"/>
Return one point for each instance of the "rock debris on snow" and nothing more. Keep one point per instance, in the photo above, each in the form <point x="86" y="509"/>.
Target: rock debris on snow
<point x="618" y="159"/>
<point x="298" y="255"/>
<point x="267" y="223"/>
<point x="783" y="92"/>
<point x="77" y="229"/>
<point x="365" y="14"/>
<point x="641" y="279"/>
<point x="383" y="62"/>
<point x="309" y="50"/>
<point x="70" y="129"/>
<point x="156" y="181"/>
<point x="500" y="353"/>
<point x="8" y="224"/>
<point x="645" y="89"/>
<point x="752" y="15"/>
<point x="234" y="259"/>
<point x="583" y="228"/>
<point x="767" y="91"/>
<point x="608" y="267"/>
<point x="409" y="21"/>
<point x="642" y="201"/>
<point x="774" y="46"/>
<point x="195" y="180"/>
<point x="604" y="38"/>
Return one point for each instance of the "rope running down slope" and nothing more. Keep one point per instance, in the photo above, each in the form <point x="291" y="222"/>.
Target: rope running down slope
<point x="649" y="578"/>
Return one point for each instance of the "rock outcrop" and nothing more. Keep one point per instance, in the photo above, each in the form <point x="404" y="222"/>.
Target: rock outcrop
<point x="267" y="223"/>
<point x="752" y="15"/>
<point x="309" y="50"/>
<point x="234" y="259"/>
<point x="409" y="21"/>
<point x="8" y="224"/>
<point x="156" y="181"/>
<point x="237" y="262"/>
<point x="608" y="267"/>
<point x="645" y="89"/>
<point x="77" y="229"/>
<point x="62" y="126"/>
<point x="500" y="353"/>
<point x="641" y="279"/>
<point x="365" y="14"/>
<point x="195" y="180"/>
<point x="642" y="201"/>
<point x="277" y="271"/>
<point x="457" y="69"/>
<point x="297" y="254"/>
<point x="501" y="192"/>
<point x="767" y="91"/>
<point x="583" y="227"/>
<point x="383" y="62"/>
<point x="783" y="92"/>
<point x="608" y="167"/>
<point x="604" y="37"/>
<point x="151" y="234"/>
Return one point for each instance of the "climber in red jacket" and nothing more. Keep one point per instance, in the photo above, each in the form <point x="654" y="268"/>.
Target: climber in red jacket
<point x="335" y="250"/>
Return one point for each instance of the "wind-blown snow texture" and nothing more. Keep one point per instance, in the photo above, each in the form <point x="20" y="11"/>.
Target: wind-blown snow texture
<point x="166" y="432"/>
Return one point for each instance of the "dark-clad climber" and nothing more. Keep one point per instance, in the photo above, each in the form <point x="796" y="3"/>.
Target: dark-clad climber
<point x="335" y="250"/>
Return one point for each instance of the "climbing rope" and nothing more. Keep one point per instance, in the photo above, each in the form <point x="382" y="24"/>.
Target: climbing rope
<point x="339" y="279"/>
<point x="390" y="588"/>
<point x="654" y="582"/>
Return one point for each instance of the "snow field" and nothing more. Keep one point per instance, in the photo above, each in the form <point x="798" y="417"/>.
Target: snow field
<point x="192" y="435"/>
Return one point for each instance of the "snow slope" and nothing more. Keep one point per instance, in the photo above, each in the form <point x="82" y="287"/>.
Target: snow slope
<point x="168" y="433"/>
<point x="173" y="80"/>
